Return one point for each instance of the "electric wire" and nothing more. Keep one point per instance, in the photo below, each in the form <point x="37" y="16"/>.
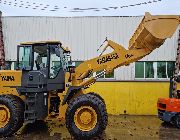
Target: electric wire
<point x="54" y="8"/>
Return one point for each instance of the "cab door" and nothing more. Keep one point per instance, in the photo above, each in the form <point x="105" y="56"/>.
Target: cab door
<point x="56" y="74"/>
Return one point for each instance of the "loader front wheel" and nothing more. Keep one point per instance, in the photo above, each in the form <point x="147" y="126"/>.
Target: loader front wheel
<point x="86" y="117"/>
<point x="11" y="114"/>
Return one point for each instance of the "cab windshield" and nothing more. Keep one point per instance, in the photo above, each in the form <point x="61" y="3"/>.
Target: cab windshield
<point x="24" y="57"/>
<point x="41" y="57"/>
<point x="55" y="60"/>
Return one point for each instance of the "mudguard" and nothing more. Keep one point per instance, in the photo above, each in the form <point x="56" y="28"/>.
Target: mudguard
<point x="70" y="93"/>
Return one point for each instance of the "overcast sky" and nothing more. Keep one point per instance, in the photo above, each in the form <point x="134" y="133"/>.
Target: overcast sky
<point x="65" y="8"/>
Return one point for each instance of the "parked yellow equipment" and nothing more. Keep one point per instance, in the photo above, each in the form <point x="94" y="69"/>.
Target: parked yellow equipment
<point x="40" y="90"/>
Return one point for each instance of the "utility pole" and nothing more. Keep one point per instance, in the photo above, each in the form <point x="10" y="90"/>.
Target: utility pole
<point x="2" y="54"/>
<point x="176" y="72"/>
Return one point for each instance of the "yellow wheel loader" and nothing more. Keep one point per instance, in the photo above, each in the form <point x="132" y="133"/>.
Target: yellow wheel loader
<point x="46" y="85"/>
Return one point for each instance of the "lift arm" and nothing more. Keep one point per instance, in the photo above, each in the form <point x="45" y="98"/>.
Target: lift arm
<point x="150" y="34"/>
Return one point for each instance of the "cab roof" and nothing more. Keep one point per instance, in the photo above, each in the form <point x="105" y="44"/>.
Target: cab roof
<point x="46" y="42"/>
<point x="41" y="43"/>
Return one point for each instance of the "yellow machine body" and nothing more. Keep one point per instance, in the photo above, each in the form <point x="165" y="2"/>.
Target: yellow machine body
<point x="9" y="80"/>
<point x="153" y="31"/>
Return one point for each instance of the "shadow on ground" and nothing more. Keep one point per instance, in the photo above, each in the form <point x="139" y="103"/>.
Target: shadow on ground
<point x="119" y="127"/>
<point x="169" y="131"/>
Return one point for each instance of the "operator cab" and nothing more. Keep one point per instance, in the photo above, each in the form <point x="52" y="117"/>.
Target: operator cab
<point x="43" y="64"/>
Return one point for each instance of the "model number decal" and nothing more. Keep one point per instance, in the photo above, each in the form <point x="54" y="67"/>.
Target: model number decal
<point x="128" y="56"/>
<point x="7" y="78"/>
<point x="107" y="58"/>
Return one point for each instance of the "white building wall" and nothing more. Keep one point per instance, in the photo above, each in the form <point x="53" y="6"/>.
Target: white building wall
<point x="83" y="35"/>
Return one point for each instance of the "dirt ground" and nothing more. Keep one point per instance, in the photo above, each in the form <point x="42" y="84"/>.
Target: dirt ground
<point x="119" y="127"/>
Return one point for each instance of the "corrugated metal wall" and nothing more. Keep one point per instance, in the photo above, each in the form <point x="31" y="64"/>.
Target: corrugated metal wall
<point x="83" y="35"/>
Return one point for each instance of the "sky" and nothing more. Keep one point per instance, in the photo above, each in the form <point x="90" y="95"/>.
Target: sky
<point x="71" y="8"/>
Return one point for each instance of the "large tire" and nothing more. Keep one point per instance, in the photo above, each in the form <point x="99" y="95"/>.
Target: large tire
<point x="15" y="108"/>
<point x="97" y="95"/>
<point x="88" y="102"/>
<point x="177" y="121"/>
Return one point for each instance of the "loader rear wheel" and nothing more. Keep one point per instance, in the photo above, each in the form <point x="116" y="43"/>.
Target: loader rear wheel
<point x="4" y="115"/>
<point x="11" y="114"/>
<point x="86" y="117"/>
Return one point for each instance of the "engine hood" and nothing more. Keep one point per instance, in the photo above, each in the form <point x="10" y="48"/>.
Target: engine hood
<point x="10" y="78"/>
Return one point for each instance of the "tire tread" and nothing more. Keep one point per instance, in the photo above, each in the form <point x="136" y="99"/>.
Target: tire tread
<point x="85" y="99"/>
<point x="16" y="108"/>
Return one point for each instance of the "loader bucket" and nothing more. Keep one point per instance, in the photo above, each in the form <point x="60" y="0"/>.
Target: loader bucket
<point x="153" y="31"/>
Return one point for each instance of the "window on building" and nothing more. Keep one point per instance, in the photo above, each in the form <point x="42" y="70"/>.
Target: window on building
<point x="139" y="70"/>
<point x="154" y="70"/>
<point x="161" y="70"/>
<point x="14" y="65"/>
<point x="170" y="68"/>
<point x="8" y="65"/>
<point x="149" y="70"/>
<point x="110" y="75"/>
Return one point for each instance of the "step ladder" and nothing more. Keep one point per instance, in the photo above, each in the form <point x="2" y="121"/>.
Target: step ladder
<point x="30" y="113"/>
